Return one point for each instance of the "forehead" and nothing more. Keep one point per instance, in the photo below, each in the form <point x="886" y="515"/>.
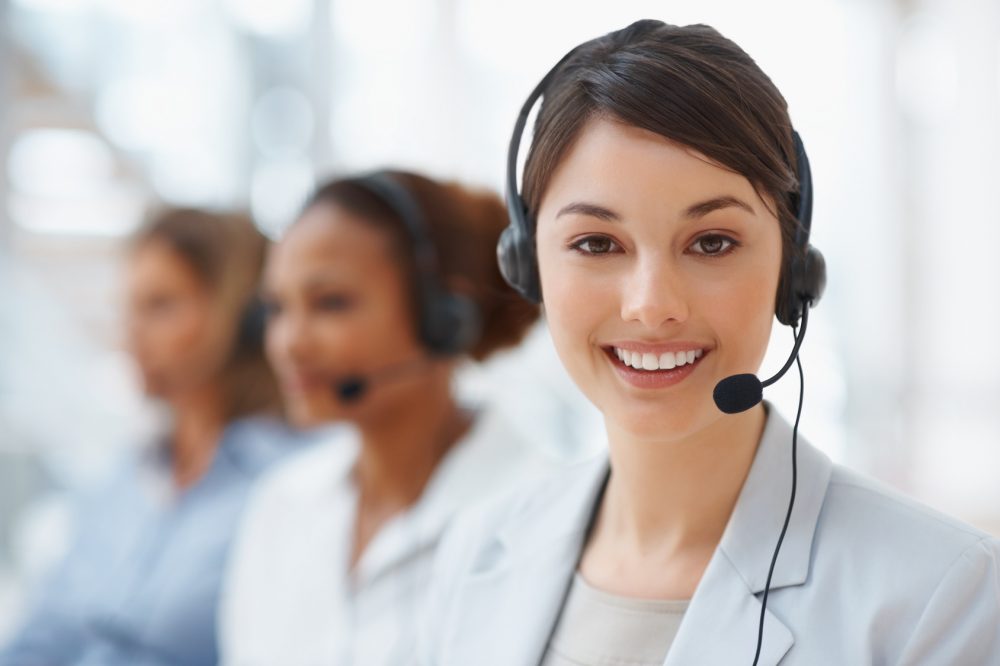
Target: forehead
<point x="155" y="261"/>
<point x="632" y="168"/>
<point x="331" y="239"/>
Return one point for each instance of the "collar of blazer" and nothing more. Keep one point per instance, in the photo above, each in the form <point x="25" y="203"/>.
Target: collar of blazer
<point x="519" y="578"/>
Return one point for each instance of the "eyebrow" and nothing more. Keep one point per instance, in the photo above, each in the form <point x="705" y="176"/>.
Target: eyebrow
<point x="323" y="281"/>
<point x="590" y="210"/>
<point x="697" y="210"/>
<point x="705" y="207"/>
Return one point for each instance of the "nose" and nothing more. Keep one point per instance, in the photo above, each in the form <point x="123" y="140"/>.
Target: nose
<point x="653" y="293"/>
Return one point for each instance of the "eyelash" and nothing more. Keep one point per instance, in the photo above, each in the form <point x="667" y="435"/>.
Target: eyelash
<point x="334" y="303"/>
<point x="330" y="303"/>
<point x="730" y="245"/>
<point x="578" y="245"/>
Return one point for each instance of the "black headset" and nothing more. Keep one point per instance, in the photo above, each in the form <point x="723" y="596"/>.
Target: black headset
<point x="449" y="323"/>
<point x="805" y="277"/>
<point x="251" y="329"/>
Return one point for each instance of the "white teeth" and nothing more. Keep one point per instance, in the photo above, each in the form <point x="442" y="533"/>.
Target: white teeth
<point x="649" y="361"/>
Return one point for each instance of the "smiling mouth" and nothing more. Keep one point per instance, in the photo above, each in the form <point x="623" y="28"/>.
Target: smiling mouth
<point x="650" y="362"/>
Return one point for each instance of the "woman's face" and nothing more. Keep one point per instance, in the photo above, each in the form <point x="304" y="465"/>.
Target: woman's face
<point x="173" y="331"/>
<point x="339" y="307"/>
<point x="650" y="253"/>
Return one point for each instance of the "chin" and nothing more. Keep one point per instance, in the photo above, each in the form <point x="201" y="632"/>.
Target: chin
<point x="663" y="419"/>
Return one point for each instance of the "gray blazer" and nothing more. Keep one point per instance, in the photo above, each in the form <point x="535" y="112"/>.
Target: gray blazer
<point x="864" y="576"/>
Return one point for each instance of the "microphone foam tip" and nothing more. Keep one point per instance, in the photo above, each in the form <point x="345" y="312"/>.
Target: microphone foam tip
<point x="738" y="393"/>
<point x="351" y="389"/>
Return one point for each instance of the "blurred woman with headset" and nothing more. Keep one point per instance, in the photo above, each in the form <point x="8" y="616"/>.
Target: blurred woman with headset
<point x="383" y="286"/>
<point x="141" y="579"/>
<point x="665" y="219"/>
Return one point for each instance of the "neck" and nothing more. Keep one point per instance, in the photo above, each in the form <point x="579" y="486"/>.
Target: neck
<point x="198" y="426"/>
<point x="400" y="451"/>
<point x="667" y="497"/>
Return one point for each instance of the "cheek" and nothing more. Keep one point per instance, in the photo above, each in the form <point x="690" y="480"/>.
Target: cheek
<point x="577" y="304"/>
<point x="741" y="315"/>
<point x="178" y="338"/>
<point x="377" y="334"/>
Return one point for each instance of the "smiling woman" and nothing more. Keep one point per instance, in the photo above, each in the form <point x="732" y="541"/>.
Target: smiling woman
<point x="664" y="226"/>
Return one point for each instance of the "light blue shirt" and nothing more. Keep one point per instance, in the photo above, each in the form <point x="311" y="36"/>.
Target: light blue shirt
<point x="141" y="582"/>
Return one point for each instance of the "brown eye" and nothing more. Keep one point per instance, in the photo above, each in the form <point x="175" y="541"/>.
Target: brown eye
<point x="595" y="245"/>
<point x="712" y="244"/>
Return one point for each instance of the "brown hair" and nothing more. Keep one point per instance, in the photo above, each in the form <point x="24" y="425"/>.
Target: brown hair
<point x="688" y="84"/>
<point x="226" y="252"/>
<point x="463" y="226"/>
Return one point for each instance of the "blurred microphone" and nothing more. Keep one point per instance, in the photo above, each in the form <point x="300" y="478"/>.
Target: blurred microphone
<point x="739" y="393"/>
<point x="352" y="388"/>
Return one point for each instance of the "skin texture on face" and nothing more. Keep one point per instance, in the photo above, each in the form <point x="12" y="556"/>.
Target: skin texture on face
<point x="339" y="306"/>
<point x="646" y="244"/>
<point x="174" y="332"/>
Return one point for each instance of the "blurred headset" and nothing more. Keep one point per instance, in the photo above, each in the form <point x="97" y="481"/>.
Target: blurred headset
<point x="805" y="269"/>
<point x="251" y="328"/>
<point x="449" y="323"/>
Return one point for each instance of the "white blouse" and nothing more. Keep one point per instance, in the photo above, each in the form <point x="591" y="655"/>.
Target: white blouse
<point x="290" y="597"/>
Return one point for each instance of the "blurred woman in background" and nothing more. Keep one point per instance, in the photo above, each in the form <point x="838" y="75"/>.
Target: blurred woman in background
<point x="140" y="583"/>
<point x="375" y="295"/>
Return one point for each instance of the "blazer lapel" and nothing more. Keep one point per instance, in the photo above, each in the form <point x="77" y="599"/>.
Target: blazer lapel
<point x="520" y="580"/>
<point x="720" y="626"/>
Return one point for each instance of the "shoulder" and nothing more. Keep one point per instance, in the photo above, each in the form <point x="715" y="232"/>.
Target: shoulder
<point x="255" y="444"/>
<point x="555" y="500"/>
<point x="864" y="511"/>
<point x="288" y="503"/>
<point x="508" y="528"/>
<point x="895" y="553"/>
<point x="309" y="472"/>
<point x="490" y="460"/>
<point x="930" y="581"/>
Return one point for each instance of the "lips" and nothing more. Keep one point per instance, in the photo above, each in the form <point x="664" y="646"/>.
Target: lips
<point x="652" y="367"/>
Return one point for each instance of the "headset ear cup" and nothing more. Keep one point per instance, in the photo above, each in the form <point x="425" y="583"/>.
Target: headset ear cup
<point x="518" y="264"/>
<point x="806" y="284"/>
<point x="506" y="256"/>
<point x="467" y="322"/>
<point x="253" y="322"/>
<point x="451" y="325"/>
<point x="814" y="275"/>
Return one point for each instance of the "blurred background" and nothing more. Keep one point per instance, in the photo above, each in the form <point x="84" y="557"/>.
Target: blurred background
<point x="107" y="106"/>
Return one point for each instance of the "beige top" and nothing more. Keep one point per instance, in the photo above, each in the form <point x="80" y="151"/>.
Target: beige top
<point x="597" y="628"/>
